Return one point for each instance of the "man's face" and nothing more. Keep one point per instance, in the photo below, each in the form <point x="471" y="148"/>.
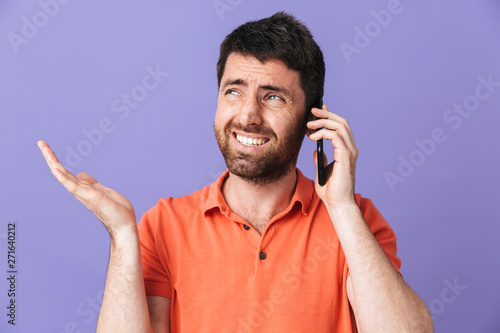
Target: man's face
<point x="259" y="123"/>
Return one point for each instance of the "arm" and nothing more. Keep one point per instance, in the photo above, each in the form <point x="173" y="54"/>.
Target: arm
<point x="124" y="306"/>
<point x="377" y="293"/>
<point x="159" y="312"/>
<point x="381" y="300"/>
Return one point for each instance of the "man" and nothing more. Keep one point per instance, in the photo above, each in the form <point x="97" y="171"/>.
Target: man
<point x="262" y="249"/>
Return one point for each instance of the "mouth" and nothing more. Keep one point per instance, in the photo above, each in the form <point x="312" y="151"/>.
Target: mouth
<point x="250" y="141"/>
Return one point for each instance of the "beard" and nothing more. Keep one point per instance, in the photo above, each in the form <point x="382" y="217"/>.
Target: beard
<point x="265" y="167"/>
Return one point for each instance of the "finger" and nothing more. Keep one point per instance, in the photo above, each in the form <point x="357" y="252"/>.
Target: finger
<point x="327" y="123"/>
<point x="315" y="156"/>
<point x="67" y="182"/>
<point x="104" y="206"/>
<point x="328" y="168"/>
<point x="52" y="160"/>
<point x="48" y="154"/>
<point x="325" y="162"/>
<point x="92" y="194"/>
<point x="81" y="190"/>
<point x="323" y="107"/>
<point x="86" y="178"/>
<point x="336" y="138"/>
<point x="341" y="151"/>
<point x="325" y="114"/>
<point x="331" y="125"/>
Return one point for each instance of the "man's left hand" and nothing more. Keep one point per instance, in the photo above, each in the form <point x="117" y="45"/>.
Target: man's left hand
<point x="340" y="174"/>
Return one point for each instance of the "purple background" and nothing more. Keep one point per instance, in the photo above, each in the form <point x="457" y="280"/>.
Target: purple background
<point x="65" y="77"/>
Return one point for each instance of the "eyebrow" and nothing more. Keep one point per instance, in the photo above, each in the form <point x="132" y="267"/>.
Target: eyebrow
<point x="233" y="82"/>
<point x="266" y="87"/>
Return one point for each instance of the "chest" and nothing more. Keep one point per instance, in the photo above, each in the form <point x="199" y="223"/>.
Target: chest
<point x="257" y="218"/>
<point x="292" y="262"/>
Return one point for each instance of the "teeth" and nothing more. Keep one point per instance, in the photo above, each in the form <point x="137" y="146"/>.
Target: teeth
<point x="249" y="141"/>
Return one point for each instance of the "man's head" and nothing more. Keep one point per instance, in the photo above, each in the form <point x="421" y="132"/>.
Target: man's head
<point x="284" y="38"/>
<point x="270" y="74"/>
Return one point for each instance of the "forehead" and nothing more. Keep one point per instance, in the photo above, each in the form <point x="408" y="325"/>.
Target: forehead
<point x="251" y="70"/>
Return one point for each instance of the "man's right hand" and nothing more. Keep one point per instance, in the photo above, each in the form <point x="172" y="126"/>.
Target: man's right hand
<point x="112" y="208"/>
<point x="124" y="305"/>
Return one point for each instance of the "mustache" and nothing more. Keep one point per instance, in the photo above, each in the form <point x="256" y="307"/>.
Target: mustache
<point x="254" y="129"/>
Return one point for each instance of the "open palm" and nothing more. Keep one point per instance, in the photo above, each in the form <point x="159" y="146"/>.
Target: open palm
<point x="112" y="208"/>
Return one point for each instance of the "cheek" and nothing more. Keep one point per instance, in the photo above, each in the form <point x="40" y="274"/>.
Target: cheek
<point x="280" y="124"/>
<point x="222" y="119"/>
<point x="224" y="113"/>
<point x="219" y="119"/>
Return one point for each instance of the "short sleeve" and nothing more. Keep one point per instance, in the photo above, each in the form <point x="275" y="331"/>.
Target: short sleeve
<point x="156" y="277"/>
<point x="381" y="230"/>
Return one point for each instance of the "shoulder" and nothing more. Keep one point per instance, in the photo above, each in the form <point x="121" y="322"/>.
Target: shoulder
<point x="178" y="208"/>
<point x="193" y="202"/>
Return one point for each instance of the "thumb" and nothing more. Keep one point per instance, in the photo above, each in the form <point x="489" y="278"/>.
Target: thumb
<point x="87" y="180"/>
<point x="85" y="177"/>
<point x="325" y="159"/>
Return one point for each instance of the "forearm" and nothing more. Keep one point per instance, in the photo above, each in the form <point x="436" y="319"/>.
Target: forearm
<point x="384" y="302"/>
<point x="124" y="307"/>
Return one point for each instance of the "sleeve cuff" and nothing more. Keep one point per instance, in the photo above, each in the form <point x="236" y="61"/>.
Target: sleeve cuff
<point x="158" y="289"/>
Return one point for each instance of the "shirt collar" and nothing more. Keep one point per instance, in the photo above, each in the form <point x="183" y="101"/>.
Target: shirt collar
<point x="212" y="195"/>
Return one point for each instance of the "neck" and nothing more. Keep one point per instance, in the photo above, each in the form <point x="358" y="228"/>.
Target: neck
<point x="267" y="200"/>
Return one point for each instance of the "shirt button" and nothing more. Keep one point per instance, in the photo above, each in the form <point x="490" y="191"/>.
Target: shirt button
<point x="263" y="255"/>
<point x="246" y="227"/>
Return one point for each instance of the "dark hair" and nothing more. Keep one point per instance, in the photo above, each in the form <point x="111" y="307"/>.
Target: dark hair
<point x="281" y="37"/>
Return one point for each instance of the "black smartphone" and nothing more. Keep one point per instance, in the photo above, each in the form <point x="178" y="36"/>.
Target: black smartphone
<point x="319" y="155"/>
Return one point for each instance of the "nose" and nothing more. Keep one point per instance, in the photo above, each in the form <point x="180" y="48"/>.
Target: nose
<point x="250" y="112"/>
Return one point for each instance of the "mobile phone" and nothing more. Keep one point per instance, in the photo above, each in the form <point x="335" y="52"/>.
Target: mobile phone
<point x="319" y="155"/>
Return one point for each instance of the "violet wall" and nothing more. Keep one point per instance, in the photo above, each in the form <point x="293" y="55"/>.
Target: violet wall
<point x="419" y="82"/>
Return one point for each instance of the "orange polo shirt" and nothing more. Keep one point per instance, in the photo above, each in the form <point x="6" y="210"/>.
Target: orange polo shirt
<point x="223" y="276"/>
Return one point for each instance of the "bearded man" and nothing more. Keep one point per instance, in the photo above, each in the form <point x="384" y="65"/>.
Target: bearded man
<point x="263" y="248"/>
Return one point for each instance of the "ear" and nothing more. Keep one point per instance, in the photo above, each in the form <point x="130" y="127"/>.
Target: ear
<point x="310" y="117"/>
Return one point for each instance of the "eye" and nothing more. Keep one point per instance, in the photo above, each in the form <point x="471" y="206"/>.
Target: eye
<point x="231" y="92"/>
<point x="274" y="101"/>
<point x="232" y="95"/>
<point x="275" y="98"/>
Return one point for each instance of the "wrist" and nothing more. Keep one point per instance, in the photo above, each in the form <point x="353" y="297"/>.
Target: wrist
<point x="347" y="203"/>
<point x="345" y="208"/>
<point x="125" y="233"/>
